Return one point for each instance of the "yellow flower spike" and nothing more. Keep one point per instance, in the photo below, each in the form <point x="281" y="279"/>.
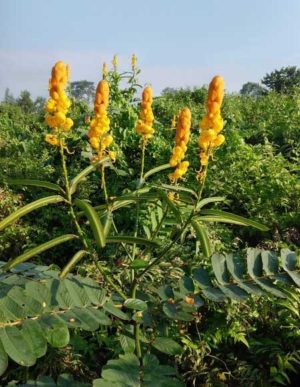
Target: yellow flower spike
<point x="181" y="141"/>
<point x="133" y="62"/>
<point x="58" y="104"/>
<point x="99" y="138"/>
<point x="144" y="124"/>
<point x="104" y="70"/>
<point x="212" y="123"/>
<point x="115" y="62"/>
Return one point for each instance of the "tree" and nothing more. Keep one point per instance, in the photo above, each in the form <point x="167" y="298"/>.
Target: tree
<point x="283" y="80"/>
<point x="252" y="89"/>
<point x="39" y="104"/>
<point x="8" y="96"/>
<point x="25" y="101"/>
<point x="83" y="90"/>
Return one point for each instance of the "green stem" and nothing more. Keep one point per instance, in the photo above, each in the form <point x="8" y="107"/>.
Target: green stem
<point x="69" y="197"/>
<point x="137" y="326"/>
<point x="103" y="183"/>
<point x="147" y="249"/>
<point x="185" y="225"/>
<point x="138" y="203"/>
<point x="78" y="228"/>
<point x="138" y="348"/>
<point x="143" y="160"/>
<point x="109" y="280"/>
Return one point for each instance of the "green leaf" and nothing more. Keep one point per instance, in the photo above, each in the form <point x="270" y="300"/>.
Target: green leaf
<point x="202" y="278"/>
<point x="29" y="208"/>
<point x="236" y="267"/>
<point x="206" y="201"/>
<point x="3" y="360"/>
<point x="254" y="265"/>
<point x="126" y="372"/>
<point x="176" y="188"/>
<point x="35" y="183"/>
<point x="136" y="304"/>
<point x="156" y="170"/>
<point x="37" y="250"/>
<point x="34" y="335"/>
<point x="110" y="308"/>
<point x="202" y="236"/>
<point x="95" y="223"/>
<point x="57" y="334"/>
<point x="127" y="343"/>
<point x="220" y="269"/>
<point x="16" y="346"/>
<point x="227" y="217"/>
<point x="289" y="263"/>
<point x="139" y="264"/>
<point x="83" y="174"/>
<point x="167" y="345"/>
<point x="171" y="205"/>
<point x="271" y="267"/>
<point x="73" y="261"/>
<point x="132" y="240"/>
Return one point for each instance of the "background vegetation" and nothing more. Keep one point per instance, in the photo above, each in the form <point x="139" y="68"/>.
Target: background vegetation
<point x="255" y="342"/>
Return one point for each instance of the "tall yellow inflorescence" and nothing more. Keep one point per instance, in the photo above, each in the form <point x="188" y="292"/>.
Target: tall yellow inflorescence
<point x="98" y="135"/>
<point x="181" y="141"/>
<point x="144" y="124"/>
<point x="133" y="62"/>
<point x="212" y="123"/>
<point x="115" y="62"/>
<point x="104" y="70"/>
<point x="58" y="104"/>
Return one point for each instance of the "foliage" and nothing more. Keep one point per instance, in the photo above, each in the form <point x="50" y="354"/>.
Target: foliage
<point x="82" y="90"/>
<point x="252" y="89"/>
<point x="283" y="80"/>
<point x="154" y="285"/>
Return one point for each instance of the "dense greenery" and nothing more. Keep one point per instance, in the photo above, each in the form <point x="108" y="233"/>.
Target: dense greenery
<point x="228" y="315"/>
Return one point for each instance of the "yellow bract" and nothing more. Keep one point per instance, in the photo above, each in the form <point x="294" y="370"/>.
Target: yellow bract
<point x="212" y="123"/>
<point x="58" y="104"/>
<point x="133" y="62"/>
<point x="98" y="135"/>
<point x="104" y="70"/>
<point x="115" y="62"/>
<point x="144" y="124"/>
<point x="181" y="141"/>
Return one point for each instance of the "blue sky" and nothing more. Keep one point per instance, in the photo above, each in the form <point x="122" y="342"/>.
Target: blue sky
<point x="178" y="43"/>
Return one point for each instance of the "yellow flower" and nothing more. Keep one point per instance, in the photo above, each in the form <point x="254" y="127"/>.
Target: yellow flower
<point x="212" y="123"/>
<point x="112" y="155"/>
<point x="99" y="138"/>
<point x="181" y="141"/>
<point x="133" y="62"/>
<point x="52" y="139"/>
<point x="115" y="62"/>
<point x="104" y="70"/>
<point x="171" y="196"/>
<point x="145" y="122"/>
<point x="58" y="103"/>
